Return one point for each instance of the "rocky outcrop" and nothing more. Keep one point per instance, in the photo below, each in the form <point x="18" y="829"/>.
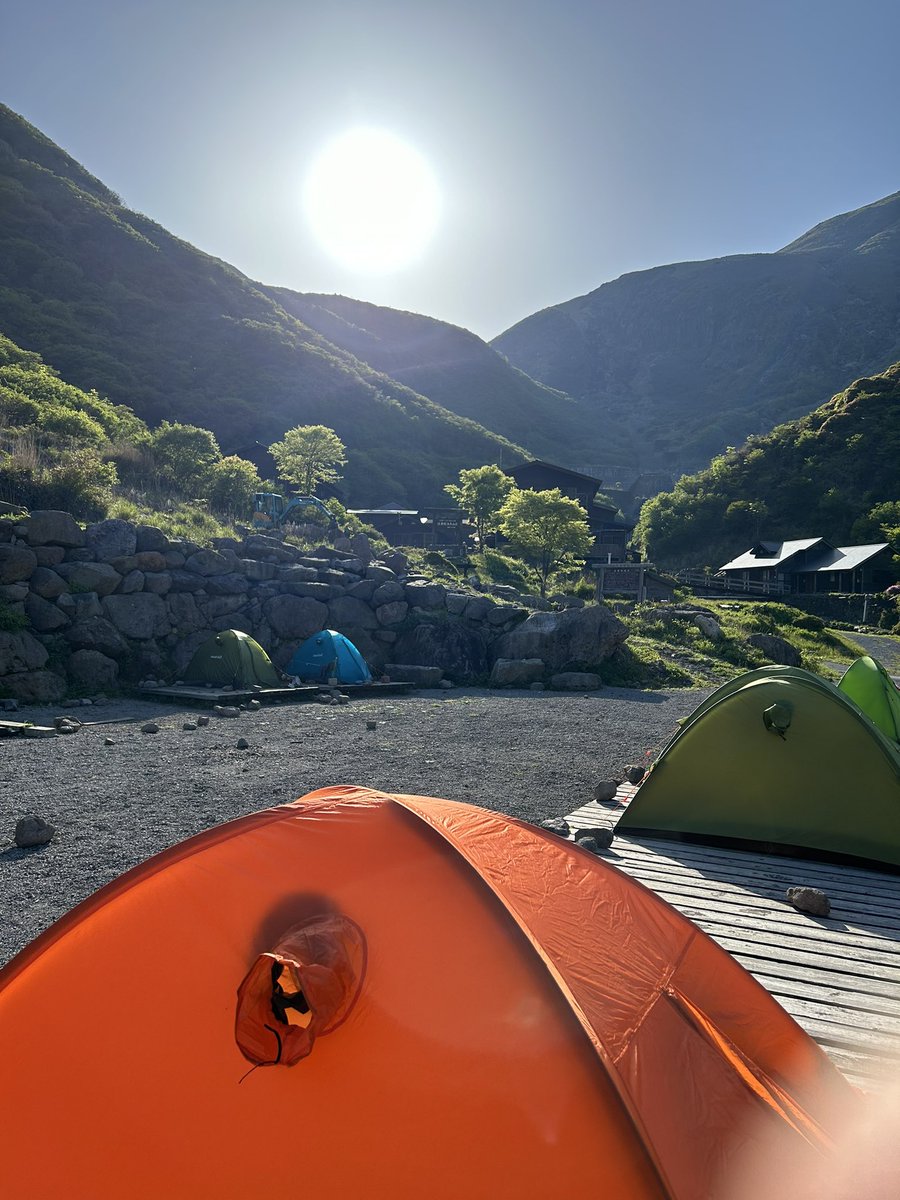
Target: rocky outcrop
<point x="776" y="649"/>
<point x="107" y="604"/>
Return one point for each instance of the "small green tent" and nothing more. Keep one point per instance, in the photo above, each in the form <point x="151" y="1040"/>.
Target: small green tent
<point x="232" y="659"/>
<point x="777" y="758"/>
<point x="868" y="684"/>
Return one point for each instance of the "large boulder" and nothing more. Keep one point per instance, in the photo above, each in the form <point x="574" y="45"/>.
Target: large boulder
<point x="346" y="612"/>
<point x="96" y="577"/>
<point x="148" y="537"/>
<point x="565" y="641"/>
<point x="158" y="582"/>
<point x="185" y="581"/>
<point x="36" y="687"/>
<point x="516" y="672"/>
<point x="231" y="584"/>
<point x="44" y="616"/>
<point x="387" y="593"/>
<point x="140" y="616"/>
<point x="21" y="652"/>
<point x="80" y="607"/>
<point x="48" y="526"/>
<point x="393" y="613"/>
<point x="49" y="556"/>
<point x="47" y="583"/>
<point x="184" y="614"/>
<point x="425" y="677"/>
<point x="461" y="652"/>
<point x="208" y="562"/>
<point x="96" y="633"/>
<point x="92" y="671"/>
<point x="776" y="649"/>
<point x="16" y="563"/>
<point x="111" y="539"/>
<point x="295" y="616"/>
<point x="426" y="595"/>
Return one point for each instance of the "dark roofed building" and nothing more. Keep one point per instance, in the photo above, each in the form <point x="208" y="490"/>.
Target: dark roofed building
<point x="611" y="532"/>
<point x="813" y="565"/>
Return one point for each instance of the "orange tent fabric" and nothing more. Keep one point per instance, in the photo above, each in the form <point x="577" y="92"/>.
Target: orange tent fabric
<point x="502" y="1014"/>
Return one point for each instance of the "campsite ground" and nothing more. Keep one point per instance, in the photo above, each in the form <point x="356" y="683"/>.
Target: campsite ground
<point x="532" y="755"/>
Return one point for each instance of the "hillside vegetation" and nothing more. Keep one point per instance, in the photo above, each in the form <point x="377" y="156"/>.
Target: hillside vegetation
<point x="832" y="474"/>
<point x="678" y="362"/>
<point x="115" y="302"/>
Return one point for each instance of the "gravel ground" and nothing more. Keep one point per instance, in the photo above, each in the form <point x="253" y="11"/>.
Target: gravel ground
<point x="532" y="755"/>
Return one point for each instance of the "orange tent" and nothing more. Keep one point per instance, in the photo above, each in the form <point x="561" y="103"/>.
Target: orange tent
<point x="471" y="1007"/>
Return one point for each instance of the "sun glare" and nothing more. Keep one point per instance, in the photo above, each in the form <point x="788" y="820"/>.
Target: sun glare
<point x="372" y="201"/>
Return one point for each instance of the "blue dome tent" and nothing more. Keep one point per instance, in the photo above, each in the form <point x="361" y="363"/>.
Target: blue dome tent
<point x="329" y="655"/>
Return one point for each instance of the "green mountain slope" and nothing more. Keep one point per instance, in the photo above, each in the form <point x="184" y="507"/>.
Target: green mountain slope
<point x="115" y="302"/>
<point x="454" y="368"/>
<point x="681" y="361"/>
<point x="818" y="476"/>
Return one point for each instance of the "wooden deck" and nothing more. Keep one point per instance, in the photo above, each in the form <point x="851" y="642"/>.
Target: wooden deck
<point x="838" y="976"/>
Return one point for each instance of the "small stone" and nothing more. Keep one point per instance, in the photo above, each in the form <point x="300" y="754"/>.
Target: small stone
<point x="257" y="687"/>
<point x="242" y="744"/>
<point x="71" y="703"/>
<point x="33" y="831"/>
<point x="188" y="726"/>
<point x="809" y="900"/>
<point x="635" y="774"/>
<point x="150" y="727"/>
<point x="226" y="710"/>
<point x="108" y="742"/>
<point x="602" y="835"/>
<point x="606" y="791"/>
<point x="254" y="705"/>
<point x="588" y="843"/>
<point x="556" y="825"/>
<point x="371" y="724"/>
<point x="446" y="684"/>
<point x="343" y="699"/>
<point x="85" y="703"/>
<point x="203" y="720"/>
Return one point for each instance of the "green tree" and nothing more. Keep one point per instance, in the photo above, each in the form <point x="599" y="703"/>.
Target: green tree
<point x="185" y="454"/>
<point x="547" y="528"/>
<point x="230" y="484"/>
<point x="309" y="455"/>
<point x="482" y="492"/>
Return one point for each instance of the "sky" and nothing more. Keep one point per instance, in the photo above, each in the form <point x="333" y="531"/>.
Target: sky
<point x="570" y="142"/>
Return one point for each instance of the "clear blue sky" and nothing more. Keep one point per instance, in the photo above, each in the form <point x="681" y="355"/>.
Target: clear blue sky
<point x="573" y="141"/>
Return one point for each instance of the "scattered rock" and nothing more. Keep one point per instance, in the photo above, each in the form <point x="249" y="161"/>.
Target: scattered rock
<point x="588" y="843"/>
<point x="776" y="649"/>
<point x="108" y="742"/>
<point x="556" y="825"/>
<point x="371" y="725"/>
<point x="516" y="672"/>
<point x="809" y="900"/>
<point x="33" y="831"/>
<point x="606" y="790"/>
<point x="67" y="724"/>
<point x="242" y="744"/>
<point x="254" y="705"/>
<point x="601" y="834"/>
<point x="202" y="720"/>
<point x="635" y="774"/>
<point x="226" y="710"/>
<point x="150" y="727"/>
<point x="188" y="726"/>
<point x="446" y="684"/>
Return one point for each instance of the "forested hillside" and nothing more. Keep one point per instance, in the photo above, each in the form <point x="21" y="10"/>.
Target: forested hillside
<point x="116" y="303"/>
<point x="833" y="473"/>
<point x="679" y="362"/>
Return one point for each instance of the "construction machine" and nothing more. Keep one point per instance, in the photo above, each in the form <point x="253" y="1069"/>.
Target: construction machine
<point x="271" y="511"/>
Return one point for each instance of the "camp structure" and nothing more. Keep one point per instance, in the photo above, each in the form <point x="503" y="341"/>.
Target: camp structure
<point x="231" y="659"/>
<point x="329" y="655"/>
<point x="868" y="684"/>
<point x="393" y="997"/>
<point x="777" y="759"/>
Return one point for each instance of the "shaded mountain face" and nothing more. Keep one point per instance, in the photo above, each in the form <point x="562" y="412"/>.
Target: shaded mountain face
<point x="819" y="476"/>
<point x="454" y="368"/>
<point x="678" y="362"/>
<point x="115" y="302"/>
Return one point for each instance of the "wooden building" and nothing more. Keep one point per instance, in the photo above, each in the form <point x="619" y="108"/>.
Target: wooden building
<point x="808" y="565"/>
<point x="611" y="532"/>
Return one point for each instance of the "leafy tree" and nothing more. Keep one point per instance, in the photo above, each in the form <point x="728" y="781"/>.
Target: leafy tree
<point x="185" y="454"/>
<point x="230" y="484"/>
<point x="549" y="529"/>
<point x="309" y="455"/>
<point x="482" y="492"/>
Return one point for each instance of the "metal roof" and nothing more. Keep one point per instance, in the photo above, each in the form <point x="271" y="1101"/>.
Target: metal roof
<point x="769" y="554"/>
<point x="846" y="558"/>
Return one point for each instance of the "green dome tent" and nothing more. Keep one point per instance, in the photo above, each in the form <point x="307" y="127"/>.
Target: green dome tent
<point x="868" y="684"/>
<point x="777" y="758"/>
<point x="232" y="659"/>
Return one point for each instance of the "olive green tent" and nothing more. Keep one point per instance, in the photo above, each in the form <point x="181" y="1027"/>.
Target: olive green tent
<point x="232" y="659"/>
<point x="868" y="684"/>
<point x="777" y="758"/>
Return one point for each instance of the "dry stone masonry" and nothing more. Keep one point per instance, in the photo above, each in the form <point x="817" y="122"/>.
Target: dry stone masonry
<point x="109" y="604"/>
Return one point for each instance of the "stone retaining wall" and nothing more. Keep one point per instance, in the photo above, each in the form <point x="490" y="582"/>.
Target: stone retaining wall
<point x="113" y="602"/>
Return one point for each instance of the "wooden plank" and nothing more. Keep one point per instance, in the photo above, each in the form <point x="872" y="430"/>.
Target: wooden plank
<point x="854" y="975"/>
<point x="26" y="729"/>
<point x="849" y="1001"/>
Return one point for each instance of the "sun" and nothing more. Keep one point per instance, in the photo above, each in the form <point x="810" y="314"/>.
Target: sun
<point x="372" y="201"/>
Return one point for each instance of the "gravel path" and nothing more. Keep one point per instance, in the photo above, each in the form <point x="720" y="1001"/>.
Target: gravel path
<point x="530" y="754"/>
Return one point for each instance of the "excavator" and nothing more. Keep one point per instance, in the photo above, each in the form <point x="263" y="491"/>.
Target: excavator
<point x="271" y="511"/>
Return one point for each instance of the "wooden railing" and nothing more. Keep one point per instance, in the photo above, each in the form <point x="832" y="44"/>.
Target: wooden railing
<point x="721" y="583"/>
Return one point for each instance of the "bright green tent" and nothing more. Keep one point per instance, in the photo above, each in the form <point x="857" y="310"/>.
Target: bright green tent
<point x="868" y="684"/>
<point x="232" y="659"/>
<point x="778" y="758"/>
